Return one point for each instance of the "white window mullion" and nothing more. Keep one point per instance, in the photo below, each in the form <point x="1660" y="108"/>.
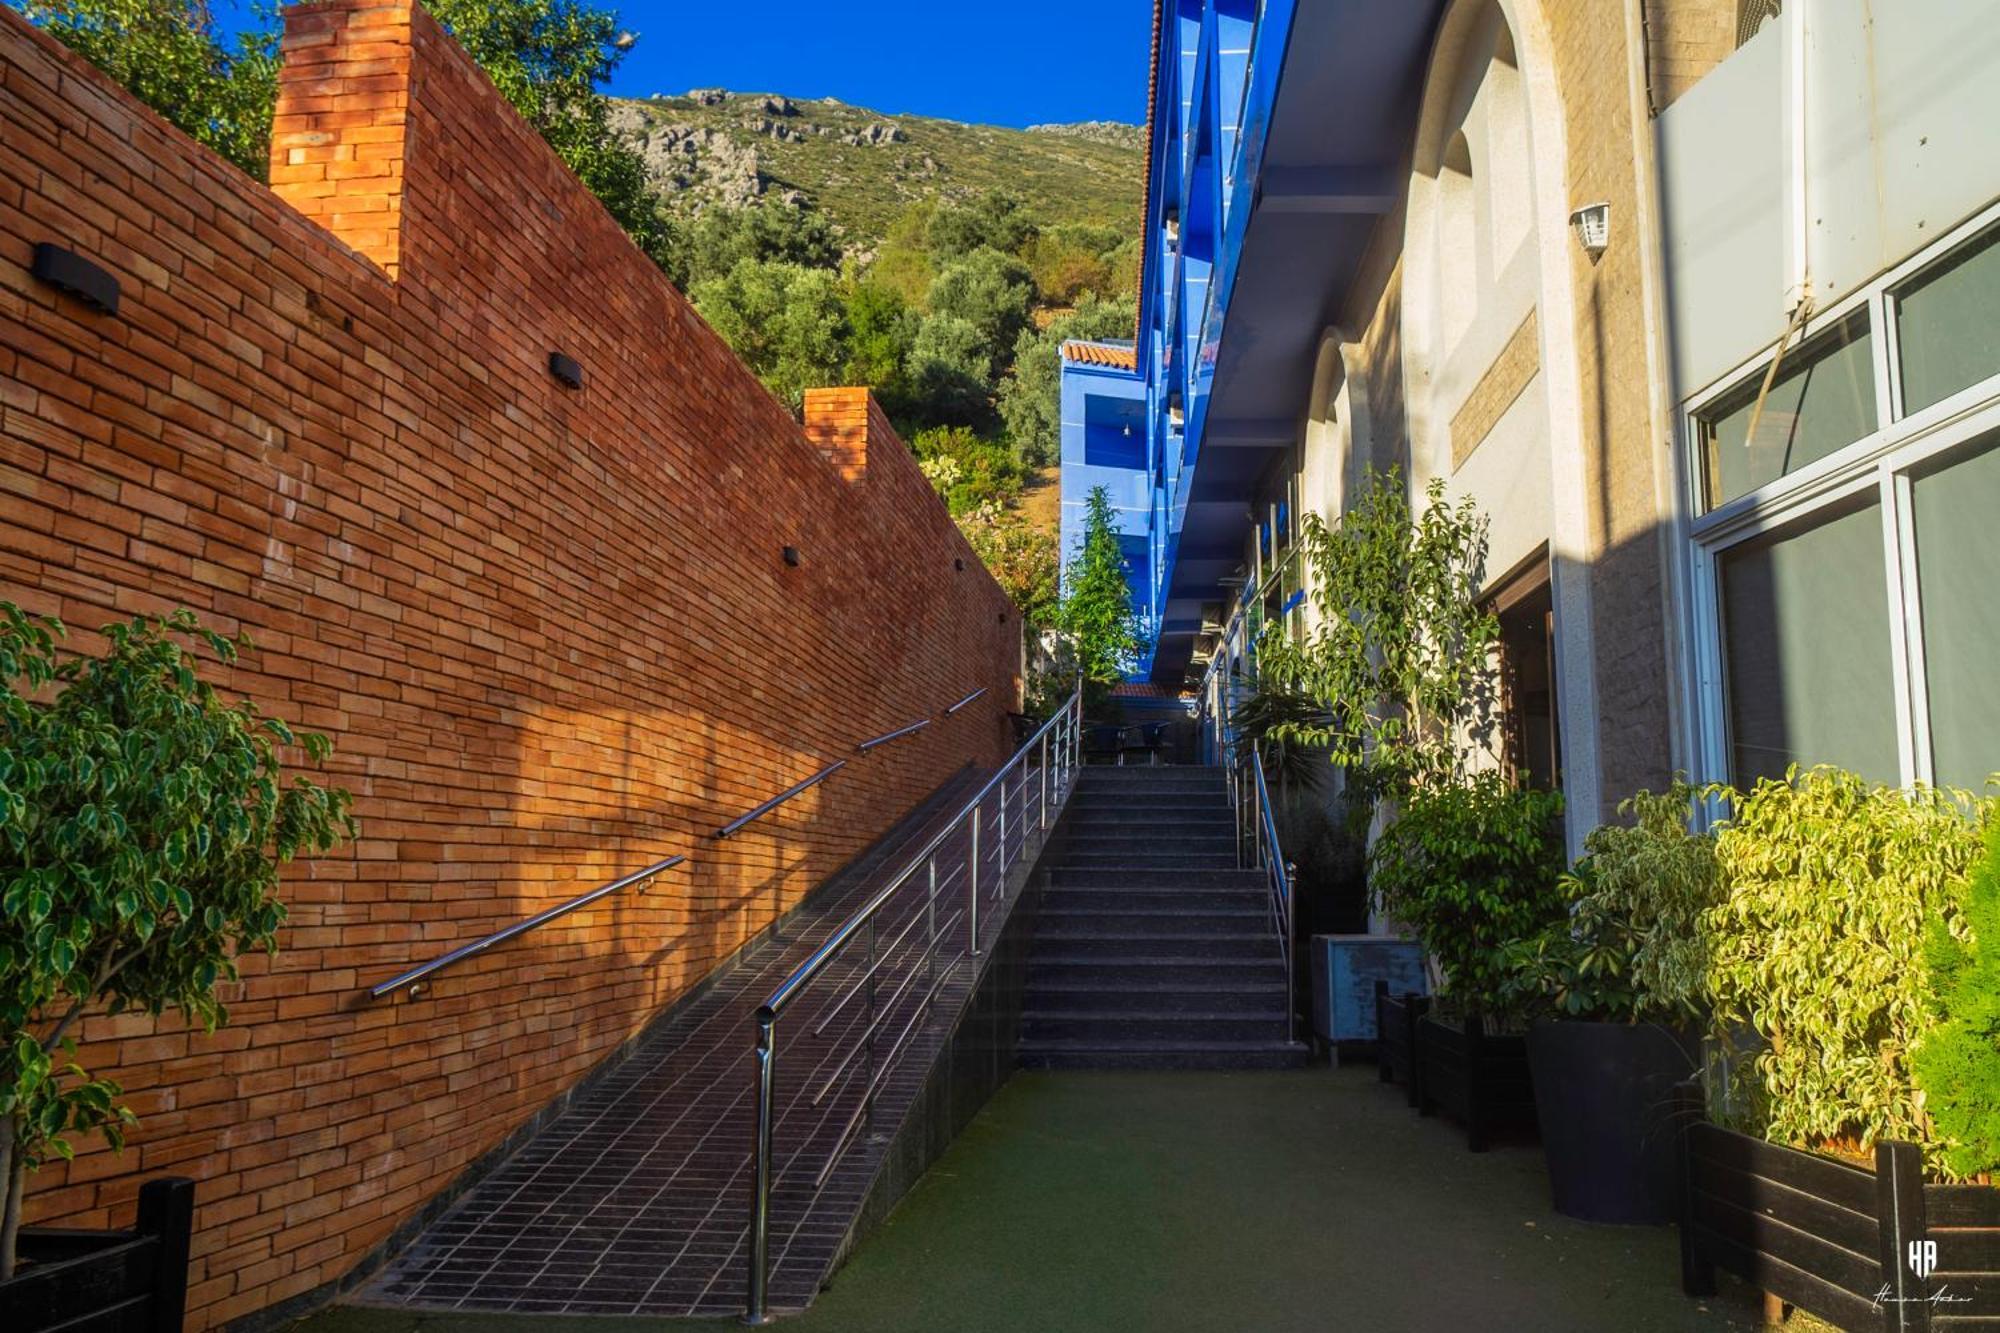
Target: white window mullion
<point x="1913" y="751"/>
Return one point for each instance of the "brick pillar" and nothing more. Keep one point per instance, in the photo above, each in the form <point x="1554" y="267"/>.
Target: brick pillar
<point x="337" y="141"/>
<point x="839" y="422"/>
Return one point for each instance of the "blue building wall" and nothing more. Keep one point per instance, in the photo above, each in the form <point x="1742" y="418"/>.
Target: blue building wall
<point x="1214" y="88"/>
<point x="1105" y="443"/>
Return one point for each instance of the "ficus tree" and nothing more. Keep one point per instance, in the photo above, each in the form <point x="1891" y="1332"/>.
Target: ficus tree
<point x="143" y="821"/>
<point x="1095" y="618"/>
<point x="1399" y="653"/>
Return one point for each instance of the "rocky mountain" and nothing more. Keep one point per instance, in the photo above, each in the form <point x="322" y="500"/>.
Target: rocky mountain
<point x="711" y="146"/>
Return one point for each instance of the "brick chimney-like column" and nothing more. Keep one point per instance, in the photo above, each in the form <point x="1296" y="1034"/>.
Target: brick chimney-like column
<point x="337" y="141"/>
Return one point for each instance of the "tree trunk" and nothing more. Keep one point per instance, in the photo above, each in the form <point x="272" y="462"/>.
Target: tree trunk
<point x="14" y="1172"/>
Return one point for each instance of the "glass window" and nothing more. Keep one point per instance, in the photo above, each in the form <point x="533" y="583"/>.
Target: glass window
<point x="1805" y="624"/>
<point x="1948" y="324"/>
<point x="1822" y="401"/>
<point x="1954" y="511"/>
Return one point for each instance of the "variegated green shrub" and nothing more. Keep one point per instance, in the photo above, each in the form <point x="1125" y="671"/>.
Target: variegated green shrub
<point x="1816" y="952"/>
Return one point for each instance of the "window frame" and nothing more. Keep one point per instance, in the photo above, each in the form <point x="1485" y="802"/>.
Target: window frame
<point x="1885" y="461"/>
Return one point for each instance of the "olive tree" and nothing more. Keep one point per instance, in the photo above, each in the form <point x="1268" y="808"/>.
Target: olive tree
<point x="142" y="824"/>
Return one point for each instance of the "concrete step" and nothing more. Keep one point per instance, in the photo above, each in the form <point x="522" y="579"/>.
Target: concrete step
<point x="1157" y="779"/>
<point x="1210" y="816"/>
<point x="1194" y="948"/>
<point x="1150" y="971"/>
<point x="1141" y="801"/>
<point x="1261" y="997"/>
<point x="1173" y="920"/>
<point x="1076" y="899"/>
<point x="1110" y="1026"/>
<point x="1157" y="877"/>
<point x="1162" y="1055"/>
<point x="1088" y="857"/>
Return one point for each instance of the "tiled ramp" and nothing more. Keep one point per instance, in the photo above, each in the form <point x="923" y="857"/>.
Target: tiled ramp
<point x="635" y="1199"/>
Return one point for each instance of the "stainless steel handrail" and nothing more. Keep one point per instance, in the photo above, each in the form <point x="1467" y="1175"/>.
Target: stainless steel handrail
<point x="1269" y="854"/>
<point x="897" y="734"/>
<point x="1056" y="742"/>
<point x="966" y="700"/>
<point x="753" y="815"/>
<point x="413" y="978"/>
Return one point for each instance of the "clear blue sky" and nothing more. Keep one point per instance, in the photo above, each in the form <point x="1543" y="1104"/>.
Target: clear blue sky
<point x="1023" y="63"/>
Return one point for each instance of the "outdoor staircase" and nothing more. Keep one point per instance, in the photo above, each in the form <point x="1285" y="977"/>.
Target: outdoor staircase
<point x="1152" y="950"/>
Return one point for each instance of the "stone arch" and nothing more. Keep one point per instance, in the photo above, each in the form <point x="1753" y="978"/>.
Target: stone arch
<point x="1492" y="113"/>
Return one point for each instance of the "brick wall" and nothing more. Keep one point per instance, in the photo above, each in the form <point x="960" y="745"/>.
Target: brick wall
<point x="550" y="631"/>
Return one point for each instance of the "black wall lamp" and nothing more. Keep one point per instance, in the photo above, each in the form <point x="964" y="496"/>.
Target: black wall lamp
<point x="67" y="271"/>
<point x="958" y="563"/>
<point x="566" y="369"/>
<point x="792" y="556"/>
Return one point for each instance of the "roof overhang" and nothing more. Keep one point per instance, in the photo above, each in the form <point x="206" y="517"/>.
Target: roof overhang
<point x="1328" y="160"/>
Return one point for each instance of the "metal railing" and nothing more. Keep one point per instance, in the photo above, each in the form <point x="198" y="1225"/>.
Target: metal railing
<point x="1257" y="846"/>
<point x="414" y="978"/>
<point x="892" y="957"/>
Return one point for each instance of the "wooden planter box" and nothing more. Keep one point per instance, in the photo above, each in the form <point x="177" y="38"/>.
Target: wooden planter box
<point x="1834" y="1238"/>
<point x="110" y="1281"/>
<point x="1396" y="1036"/>
<point x="1480" y="1079"/>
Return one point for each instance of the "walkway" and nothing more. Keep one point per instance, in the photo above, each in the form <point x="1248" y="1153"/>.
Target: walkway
<point x="635" y="1199"/>
<point x="1307" y="1200"/>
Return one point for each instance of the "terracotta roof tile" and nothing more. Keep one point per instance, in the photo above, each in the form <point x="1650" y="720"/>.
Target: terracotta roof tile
<point x="1101" y="354"/>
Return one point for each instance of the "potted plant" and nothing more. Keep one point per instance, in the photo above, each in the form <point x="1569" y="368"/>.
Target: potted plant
<point x="1838" y="1135"/>
<point x="1466" y="866"/>
<point x="1617" y="983"/>
<point x="142" y="824"/>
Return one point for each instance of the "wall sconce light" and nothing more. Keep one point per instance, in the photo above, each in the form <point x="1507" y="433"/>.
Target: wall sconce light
<point x="1128" y="430"/>
<point x="1592" y="224"/>
<point x="792" y="556"/>
<point x="958" y="563"/>
<point x="67" y="271"/>
<point x="566" y="369"/>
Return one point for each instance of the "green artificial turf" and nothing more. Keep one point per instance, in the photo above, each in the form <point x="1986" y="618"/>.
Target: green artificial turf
<point x="1311" y="1200"/>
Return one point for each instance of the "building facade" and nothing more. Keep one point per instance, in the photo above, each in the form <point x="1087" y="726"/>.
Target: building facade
<point x="1366" y="248"/>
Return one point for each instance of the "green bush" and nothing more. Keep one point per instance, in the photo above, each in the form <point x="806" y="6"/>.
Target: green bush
<point x="1957" y="1065"/>
<point x="969" y="472"/>
<point x="1467" y="866"/>
<point x="1815" y="964"/>
<point x="1630" y="947"/>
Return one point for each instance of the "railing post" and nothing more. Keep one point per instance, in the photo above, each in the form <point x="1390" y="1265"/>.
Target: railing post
<point x="1001" y="887"/>
<point x="1044" y="768"/>
<point x="972" y="888"/>
<point x="760" y="1202"/>
<point x="930" y="922"/>
<point x="868" y="1041"/>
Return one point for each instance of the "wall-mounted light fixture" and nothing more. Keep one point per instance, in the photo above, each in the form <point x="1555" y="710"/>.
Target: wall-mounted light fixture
<point x="958" y="563"/>
<point x="566" y="369"/>
<point x="68" y="271"/>
<point x="792" y="556"/>
<point x="1592" y="224"/>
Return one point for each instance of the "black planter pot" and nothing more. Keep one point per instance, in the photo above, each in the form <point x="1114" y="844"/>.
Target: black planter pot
<point x="133" y="1281"/>
<point x="1604" y="1100"/>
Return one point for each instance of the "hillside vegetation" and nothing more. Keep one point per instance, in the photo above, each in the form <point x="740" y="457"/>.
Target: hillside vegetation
<point x="862" y="168"/>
